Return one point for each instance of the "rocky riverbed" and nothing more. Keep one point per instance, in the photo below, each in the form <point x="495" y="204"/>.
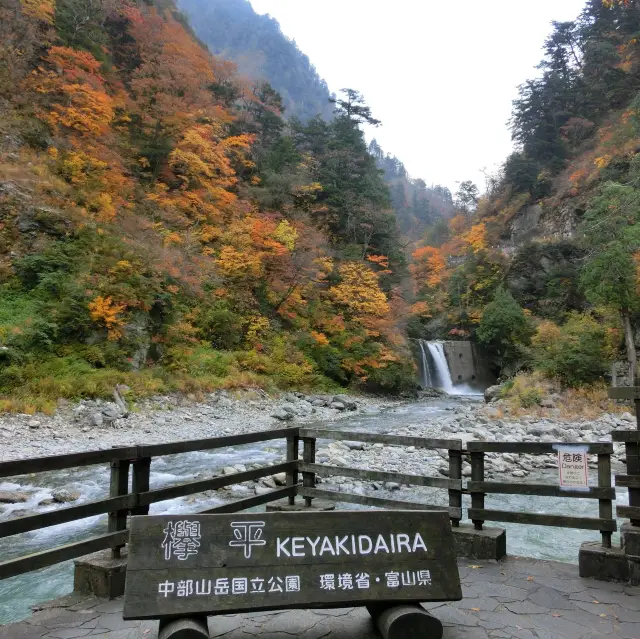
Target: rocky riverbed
<point x="163" y="419"/>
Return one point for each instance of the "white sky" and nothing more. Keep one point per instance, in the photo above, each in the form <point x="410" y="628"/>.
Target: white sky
<point x="440" y="74"/>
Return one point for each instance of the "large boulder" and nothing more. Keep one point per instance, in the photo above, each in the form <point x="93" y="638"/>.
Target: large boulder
<point x="492" y="393"/>
<point x="282" y="414"/>
<point x="348" y="404"/>
<point x="64" y="496"/>
<point x="12" y="497"/>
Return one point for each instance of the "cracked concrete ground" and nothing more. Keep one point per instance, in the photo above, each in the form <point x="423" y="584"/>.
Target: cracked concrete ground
<point x="515" y="598"/>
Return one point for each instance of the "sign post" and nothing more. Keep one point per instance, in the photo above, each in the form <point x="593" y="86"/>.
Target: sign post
<point x="201" y="565"/>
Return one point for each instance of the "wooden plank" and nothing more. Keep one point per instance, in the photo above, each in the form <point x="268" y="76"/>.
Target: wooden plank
<point x="605" y="504"/>
<point x="536" y="519"/>
<point x="378" y="502"/>
<point x="391" y="440"/>
<point x="628" y="481"/>
<point x="46" y="558"/>
<point x="534" y="448"/>
<point x="191" y="445"/>
<point x="217" y="564"/>
<point x="377" y="475"/>
<point x="215" y="483"/>
<point x="624" y="392"/>
<point x="309" y="458"/>
<point x="632" y="436"/>
<point x="628" y="512"/>
<point x="64" y="515"/>
<point x="251" y="502"/>
<point x="542" y="490"/>
<point x="61" y="462"/>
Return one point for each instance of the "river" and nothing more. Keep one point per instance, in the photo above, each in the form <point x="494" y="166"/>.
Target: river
<point x="19" y="593"/>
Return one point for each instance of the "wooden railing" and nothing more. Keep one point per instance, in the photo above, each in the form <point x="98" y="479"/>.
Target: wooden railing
<point x="134" y="497"/>
<point x="604" y="493"/>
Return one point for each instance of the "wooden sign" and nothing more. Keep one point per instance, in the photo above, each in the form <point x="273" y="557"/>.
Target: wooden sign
<point x="573" y="467"/>
<point x="213" y="564"/>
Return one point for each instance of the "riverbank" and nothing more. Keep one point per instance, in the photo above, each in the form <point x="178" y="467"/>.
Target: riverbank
<point x="88" y="424"/>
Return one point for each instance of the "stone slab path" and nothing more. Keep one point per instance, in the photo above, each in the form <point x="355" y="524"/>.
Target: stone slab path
<point x="515" y="598"/>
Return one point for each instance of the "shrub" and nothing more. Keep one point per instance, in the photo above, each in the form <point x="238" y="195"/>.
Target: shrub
<point x="580" y="352"/>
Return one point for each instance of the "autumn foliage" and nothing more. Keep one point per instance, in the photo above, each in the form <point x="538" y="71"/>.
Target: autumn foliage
<point x="161" y="244"/>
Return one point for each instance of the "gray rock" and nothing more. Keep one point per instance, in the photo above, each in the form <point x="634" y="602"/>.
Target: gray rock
<point x="518" y="473"/>
<point x="96" y="419"/>
<point x="627" y="417"/>
<point x="33" y="423"/>
<point x="269" y="482"/>
<point x="492" y="393"/>
<point x="289" y="409"/>
<point x="319" y="402"/>
<point x="280" y="479"/>
<point x="65" y="496"/>
<point x="337" y="406"/>
<point x="229" y="470"/>
<point x="46" y="502"/>
<point x="282" y="415"/>
<point x="12" y="497"/>
<point x="349" y="404"/>
<point x="290" y="397"/>
<point x="392" y="485"/>
<point x="547" y="402"/>
<point x="262" y="490"/>
<point x="355" y="445"/>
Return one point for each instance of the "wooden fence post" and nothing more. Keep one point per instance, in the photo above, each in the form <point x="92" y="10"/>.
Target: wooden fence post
<point x="292" y="455"/>
<point x="455" y="472"/>
<point x="140" y="482"/>
<point x="605" y="506"/>
<point x="309" y="457"/>
<point x="477" y="474"/>
<point x="118" y="486"/>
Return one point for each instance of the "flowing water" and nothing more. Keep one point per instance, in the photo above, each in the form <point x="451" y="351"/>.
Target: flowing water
<point x="19" y="593"/>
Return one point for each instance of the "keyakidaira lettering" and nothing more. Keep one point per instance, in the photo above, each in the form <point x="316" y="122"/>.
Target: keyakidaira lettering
<point x="349" y="545"/>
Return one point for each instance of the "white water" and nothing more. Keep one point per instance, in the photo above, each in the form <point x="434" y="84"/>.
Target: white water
<point x="426" y="372"/>
<point x="436" y="349"/>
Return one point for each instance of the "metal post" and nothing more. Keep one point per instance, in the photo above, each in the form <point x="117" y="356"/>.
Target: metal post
<point x="309" y="457"/>
<point x="292" y="455"/>
<point x="605" y="506"/>
<point x="477" y="474"/>
<point x="118" y="486"/>
<point x="140" y="482"/>
<point x="455" y="472"/>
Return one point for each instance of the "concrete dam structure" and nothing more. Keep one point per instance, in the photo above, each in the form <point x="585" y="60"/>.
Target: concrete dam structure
<point x="456" y="367"/>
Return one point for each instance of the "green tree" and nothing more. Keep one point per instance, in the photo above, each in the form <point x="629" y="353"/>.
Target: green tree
<point x="612" y="235"/>
<point x="505" y="330"/>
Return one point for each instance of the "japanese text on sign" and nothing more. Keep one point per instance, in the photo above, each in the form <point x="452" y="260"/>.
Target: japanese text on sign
<point x="573" y="468"/>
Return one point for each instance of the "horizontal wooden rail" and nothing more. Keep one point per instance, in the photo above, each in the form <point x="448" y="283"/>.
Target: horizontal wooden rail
<point x="628" y="481"/>
<point x="632" y="436"/>
<point x="628" y="512"/>
<point x="62" y="462"/>
<point x="57" y="555"/>
<point x="190" y="488"/>
<point x="541" y="490"/>
<point x="212" y="443"/>
<point x="251" y="502"/>
<point x="65" y="515"/>
<point x="390" y="440"/>
<point x="379" y="502"/>
<point x="534" y="448"/>
<point x="377" y="475"/>
<point x="537" y="519"/>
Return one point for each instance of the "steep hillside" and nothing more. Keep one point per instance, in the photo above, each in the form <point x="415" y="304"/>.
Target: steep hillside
<point x="545" y="269"/>
<point x="234" y="31"/>
<point x="417" y="206"/>
<point x="161" y="225"/>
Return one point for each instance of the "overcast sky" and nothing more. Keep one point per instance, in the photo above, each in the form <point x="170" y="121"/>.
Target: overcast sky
<point x="440" y="75"/>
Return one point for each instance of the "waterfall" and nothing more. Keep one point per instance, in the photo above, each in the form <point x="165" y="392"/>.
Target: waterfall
<point x="426" y="371"/>
<point x="436" y="349"/>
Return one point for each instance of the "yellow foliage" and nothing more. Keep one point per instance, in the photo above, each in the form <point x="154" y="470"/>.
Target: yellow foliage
<point x="107" y="312"/>
<point x="234" y="263"/>
<point x="286" y="234"/>
<point x="43" y="10"/>
<point x="359" y="291"/>
<point x="320" y="338"/>
<point x="547" y="333"/>
<point x="258" y="326"/>
<point x="603" y="161"/>
<point x="476" y="237"/>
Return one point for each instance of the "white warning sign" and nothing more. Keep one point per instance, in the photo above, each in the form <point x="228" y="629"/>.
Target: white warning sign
<point x="573" y="467"/>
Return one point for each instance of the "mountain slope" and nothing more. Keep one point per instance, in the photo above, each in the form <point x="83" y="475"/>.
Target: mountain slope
<point x="234" y="31"/>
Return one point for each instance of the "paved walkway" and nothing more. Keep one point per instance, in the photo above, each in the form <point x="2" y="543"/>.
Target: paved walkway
<point x="519" y="598"/>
